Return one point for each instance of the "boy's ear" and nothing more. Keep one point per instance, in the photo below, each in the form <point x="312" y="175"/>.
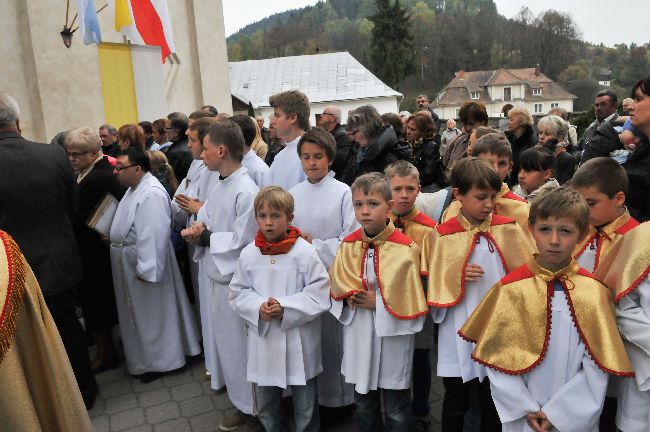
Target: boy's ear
<point x="289" y="217"/>
<point x="548" y="174"/>
<point x="391" y="205"/>
<point x="620" y="198"/>
<point x="293" y="118"/>
<point x="456" y="193"/>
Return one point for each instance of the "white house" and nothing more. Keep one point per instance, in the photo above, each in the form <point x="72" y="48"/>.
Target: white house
<point x="327" y="79"/>
<point x="528" y="88"/>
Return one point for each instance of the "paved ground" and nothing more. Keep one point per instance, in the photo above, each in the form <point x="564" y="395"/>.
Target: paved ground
<point x="182" y="401"/>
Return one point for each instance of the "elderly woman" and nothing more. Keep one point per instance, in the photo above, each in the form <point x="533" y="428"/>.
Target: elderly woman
<point x="420" y="130"/>
<point x="638" y="163"/>
<point x="521" y="135"/>
<point x="553" y="133"/>
<point x="379" y="145"/>
<point x="131" y="135"/>
<point x="95" y="178"/>
<point x="449" y="135"/>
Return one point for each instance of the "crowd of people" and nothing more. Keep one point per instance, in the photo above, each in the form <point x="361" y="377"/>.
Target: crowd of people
<point x="331" y="260"/>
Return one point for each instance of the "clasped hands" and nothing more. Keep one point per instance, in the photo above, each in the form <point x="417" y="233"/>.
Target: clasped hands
<point x="538" y="421"/>
<point x="190" y="205"/>
<point x="271" y="309"/>
<point x="363" y="299"/>
<point x="193" y="234"/>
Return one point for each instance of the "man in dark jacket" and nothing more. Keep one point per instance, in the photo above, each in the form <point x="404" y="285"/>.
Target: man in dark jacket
<point x="37" y="202"/>
<point x="178" y="153"/>
<point x="603" y="142"/>
<point x="346" y="149"/>
<point x="605" y="110"/>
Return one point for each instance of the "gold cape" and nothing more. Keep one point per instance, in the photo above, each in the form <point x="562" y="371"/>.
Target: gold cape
<point x="396" y="267"/>
<point x="416" y="225"/>
<point x="445" y="254"/>
<point x="607" y="238"/>
<point x="511" y="326"/>
<point x="38" y="391"/>
<point x="624" y="269"/>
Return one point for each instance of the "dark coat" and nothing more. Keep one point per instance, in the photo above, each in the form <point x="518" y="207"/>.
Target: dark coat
<point x="519" y="144"/>
<point x="637" y="167"/>
<point x="426" y="158"/>
<point x="563" y="167"/>
<point x="180" y="158"/>
<point x="382" y="152"/>
<point x="111" y="149"/>
<point x="96" y="292"/>
<point x="602" y="143"/>
<point x="37" y="201"/>
<point x="346" y="155"/>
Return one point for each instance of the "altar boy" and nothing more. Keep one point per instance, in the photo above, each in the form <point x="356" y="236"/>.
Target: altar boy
<point x="280" y="287"/>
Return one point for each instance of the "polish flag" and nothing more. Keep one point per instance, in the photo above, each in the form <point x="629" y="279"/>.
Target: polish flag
<point x="144" y="22"/>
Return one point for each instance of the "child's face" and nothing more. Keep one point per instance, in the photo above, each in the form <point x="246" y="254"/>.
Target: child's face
<point x="371" y="210"/>
<point x="602" y="209"/>
<point x="477" y="204"/>
<point x="283" y="123"/>
<point x="405" y="190"/>
<point x="470" y="142"/>
<point x="314" y="161"/>
<point x="212" y="154"/>
<point x="544" y="134"/>
<point x="273" y="223"/>
<point x="530" y="181"/>
<point x="194" y="144"/>
<point x="502" y="164"/>
<point x="556" y="238"/>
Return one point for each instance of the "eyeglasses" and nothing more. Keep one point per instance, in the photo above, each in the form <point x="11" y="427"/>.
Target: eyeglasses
<point x="77" y="154"/>
<point x="118" y="169"/>
<point x="352" y="132"/>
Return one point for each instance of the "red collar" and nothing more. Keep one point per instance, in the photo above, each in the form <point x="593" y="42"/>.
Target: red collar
<point x="281" y="247"/>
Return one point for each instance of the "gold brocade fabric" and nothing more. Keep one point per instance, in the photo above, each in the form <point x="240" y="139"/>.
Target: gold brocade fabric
<point x="629" y="265"/>
<point x="396" y="268"/>
<point x="607" y="238"/>
<point x="12" y="289"/>
<point x="38" y="391"/>
<point x="511" y="326"/>
<point x="416" y="225"/>
<point x="447" y="250"/>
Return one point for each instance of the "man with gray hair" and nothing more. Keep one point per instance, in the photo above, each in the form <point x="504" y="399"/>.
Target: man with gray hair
<point x="38" y="196"/>
<point x="344" y="160"/>
<point x="108" y="135"/>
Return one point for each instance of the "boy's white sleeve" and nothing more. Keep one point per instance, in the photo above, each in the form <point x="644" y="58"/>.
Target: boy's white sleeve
<point x="578" y="403"/>
<point x="312" y="300"/>
<point x="633" y="317"/>
<point x="511" y="397"/>
<point x="341" y="312"/>
<point x="327" y="247"/>
<point x="244" y="300"/>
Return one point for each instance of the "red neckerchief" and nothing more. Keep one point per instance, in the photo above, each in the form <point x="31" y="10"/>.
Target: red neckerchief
<point x="281" y="247"/>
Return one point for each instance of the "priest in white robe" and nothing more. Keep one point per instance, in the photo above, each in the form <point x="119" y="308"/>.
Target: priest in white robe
<point x="156" y="321"/>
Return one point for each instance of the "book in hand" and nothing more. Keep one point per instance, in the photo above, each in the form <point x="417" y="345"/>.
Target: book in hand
<point x="101" y="219"/>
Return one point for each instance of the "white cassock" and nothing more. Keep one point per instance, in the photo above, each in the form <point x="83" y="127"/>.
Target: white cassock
<point x="229" y="215"/>
<point x="566" y="385"/>
<point x="633" y="317"/>
<point x="258" y="170"/>
<point x="432" y="204"/>
<point x="324" y="211"/>
<point x="286" y="169"/>
<point x="454" y="353"/>
<point x="156" y="321"/>
<point x="587" y="259"/>
<point x="378" y="348"/>
<point x="282" y="352"/>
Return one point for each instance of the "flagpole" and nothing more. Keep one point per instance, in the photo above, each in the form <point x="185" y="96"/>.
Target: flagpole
<point x="67" y="10"/>
<point x="75" y="17"/>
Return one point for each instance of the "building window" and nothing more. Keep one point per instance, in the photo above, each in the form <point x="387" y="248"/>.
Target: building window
<point x="554" y="105"/>
<point x="507" y="93"/>
<point x="475" y="95"/>
<point x="539" y="108"/>
<point x="537" y="92"/>
<point x="457" y="111"/>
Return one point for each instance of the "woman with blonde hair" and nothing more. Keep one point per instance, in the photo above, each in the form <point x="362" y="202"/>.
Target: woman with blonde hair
<point x="163" y="171"/>
<point x="521" y="135"/>
<point x="259" y="146"/>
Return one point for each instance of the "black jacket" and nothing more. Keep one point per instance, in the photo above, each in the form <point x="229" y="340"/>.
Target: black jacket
<point x="637" y="167"/>
<point x="111" y="149"/>
<point x="426" y="158"/>
<point x="563" y="167"/>
<point x="180" y="158"/>
<point x="346" y="156"/>
<point x="37" y="201"/>
<point x="519" y="144"/>
<point x="382" y="152"/>
<point x="603" y="142"/>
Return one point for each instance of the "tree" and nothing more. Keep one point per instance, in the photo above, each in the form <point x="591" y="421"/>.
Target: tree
<point x="391" y="48"/>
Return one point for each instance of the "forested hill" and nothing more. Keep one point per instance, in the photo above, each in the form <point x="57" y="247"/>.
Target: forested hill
<point x="419" y="44"/>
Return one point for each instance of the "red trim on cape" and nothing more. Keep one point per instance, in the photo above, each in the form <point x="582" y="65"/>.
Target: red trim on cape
<point x="452" y="226"/>
<point x="584" y="247"/>
<point x="513" y="196"/>
<point x="425" y="220"/>
<point x="10" y="269"/>
<point x="518" y="274"/>
<point x="500" y="220"/>
<point x="634" y="285"/>
<point x="627" y="226"/>
<point x="586" y="273"/>
<point x="355" y="236"/>
<point x="400" y="238"/>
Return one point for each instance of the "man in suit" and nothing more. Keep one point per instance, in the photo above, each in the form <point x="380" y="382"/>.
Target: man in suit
<point x="37" y="201"/>
<point x="178" y="153"/>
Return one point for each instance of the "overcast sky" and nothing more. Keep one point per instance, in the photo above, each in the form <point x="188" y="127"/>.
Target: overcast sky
<point x="599" y="20"/>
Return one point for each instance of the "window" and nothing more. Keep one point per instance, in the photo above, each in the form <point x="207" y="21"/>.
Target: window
<point x="537" y="92"/>
<point x="539" y="108"/>
<point x="554" y="105"/>
<point x="507" y="93"/>
<point x="475" y="95"/>
<point x="457" y="110"/>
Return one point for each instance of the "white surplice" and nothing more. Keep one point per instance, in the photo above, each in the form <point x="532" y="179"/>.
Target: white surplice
<point x="566" y="385"/>
<point x="378" y="348"/>
<point x="286" y="169"/>
<point x="258" y="170"/>
<point x="454" y="353"/>
<point x="587" y="259"/>
<point x="324" y="211"/>
<point x="156" y="321"/>
<point x="633" y="317"/>
<point x="282" y="352"/>
<point x="229" y="215"/>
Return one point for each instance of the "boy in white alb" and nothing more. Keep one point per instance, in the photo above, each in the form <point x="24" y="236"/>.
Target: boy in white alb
<point x="225" y="224"/>
<point x="258" y="170"/>
<point x="379" y="298"/>
<point x="290" y="120"/>
<point x="280" y="288"/>
<point x="324" y="214"/>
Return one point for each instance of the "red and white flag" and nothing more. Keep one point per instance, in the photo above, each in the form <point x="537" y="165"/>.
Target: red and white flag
<point x="144" y="22"/>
